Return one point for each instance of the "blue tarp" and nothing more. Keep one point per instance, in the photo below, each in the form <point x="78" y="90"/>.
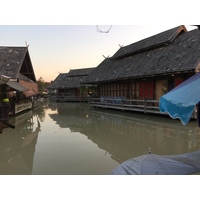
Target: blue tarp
<point x="181" y="101"/>
<point x="152" y="164"/>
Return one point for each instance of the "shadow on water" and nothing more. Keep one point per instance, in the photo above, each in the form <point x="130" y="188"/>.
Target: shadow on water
<point x="31" y="149"/>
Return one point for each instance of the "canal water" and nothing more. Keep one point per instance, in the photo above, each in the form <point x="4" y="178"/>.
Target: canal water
<point x="73" y="139"/>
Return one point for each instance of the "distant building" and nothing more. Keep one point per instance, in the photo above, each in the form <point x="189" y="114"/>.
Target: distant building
<point x="67" y="86"/>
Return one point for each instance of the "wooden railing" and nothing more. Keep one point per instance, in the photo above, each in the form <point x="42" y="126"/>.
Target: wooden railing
<point x="144" y="105"/>
<point x="70" y="98"/>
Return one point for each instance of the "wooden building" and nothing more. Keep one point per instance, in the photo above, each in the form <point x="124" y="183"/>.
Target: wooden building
<point x="67" y="86"/>
<point x="15" y="62"/>
<point x="137" y="75"/>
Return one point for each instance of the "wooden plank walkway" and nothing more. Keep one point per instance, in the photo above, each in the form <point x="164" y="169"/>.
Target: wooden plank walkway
<point x="145" y="106"/>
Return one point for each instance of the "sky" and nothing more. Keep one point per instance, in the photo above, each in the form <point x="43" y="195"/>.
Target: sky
<point x="56" y="49"/>
<point x="62" y="35"/>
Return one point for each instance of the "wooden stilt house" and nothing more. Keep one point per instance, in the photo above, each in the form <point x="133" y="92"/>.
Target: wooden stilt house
<point x="15" y="63"/>
<point x="137" y="75"/>
<point x="67" y="86"/>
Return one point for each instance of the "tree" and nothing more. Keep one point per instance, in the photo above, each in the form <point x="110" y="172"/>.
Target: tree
<point x="41" y="85"/>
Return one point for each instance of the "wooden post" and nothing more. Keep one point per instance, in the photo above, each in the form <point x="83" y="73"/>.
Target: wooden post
<point x="145" y="106"/>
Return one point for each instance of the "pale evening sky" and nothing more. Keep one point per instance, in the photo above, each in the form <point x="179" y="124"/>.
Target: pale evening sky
<point x="56" y="49"/>
<point x="62" y="34"/>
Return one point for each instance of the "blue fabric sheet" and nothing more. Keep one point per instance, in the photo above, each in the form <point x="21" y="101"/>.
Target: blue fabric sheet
<point x="181" y="101"/>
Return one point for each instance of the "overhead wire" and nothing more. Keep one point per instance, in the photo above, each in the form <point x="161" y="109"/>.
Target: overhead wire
<point x="103" y="31"/>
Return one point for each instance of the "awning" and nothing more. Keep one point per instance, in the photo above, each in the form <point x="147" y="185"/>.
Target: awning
<point x="16" y="86"/>
<point x="4" y="79"/>
<point x="181" y="101"/>
<point x="32" y="88"/>
<point x="29" y="93"/>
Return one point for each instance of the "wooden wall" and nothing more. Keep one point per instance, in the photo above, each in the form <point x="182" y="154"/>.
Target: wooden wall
<point x="140" y="89"/>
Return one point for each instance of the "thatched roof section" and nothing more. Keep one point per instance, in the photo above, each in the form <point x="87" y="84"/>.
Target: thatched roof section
<point x="15" y="61"/>
<point x="72" y="79"/>
<point x="179" y="54"/>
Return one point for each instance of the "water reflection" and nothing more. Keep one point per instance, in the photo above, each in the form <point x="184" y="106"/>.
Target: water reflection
<point x="71" y="138"/>
<point x="126" y="135"/>
<point x="18" y="146"/>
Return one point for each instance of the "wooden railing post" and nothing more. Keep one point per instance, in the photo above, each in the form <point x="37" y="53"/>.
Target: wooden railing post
<point x="145" y="106"/>
<point x="122" y="104"/>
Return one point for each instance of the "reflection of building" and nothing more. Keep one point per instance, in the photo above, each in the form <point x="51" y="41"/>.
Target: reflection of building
<point x="71" y="116"/>
<point x="15" y="63"/>
<point x="67" y="86"/>
<point x="17" y="147"/>
<point x="125" y="136"/>
<point x="128" y="136"/>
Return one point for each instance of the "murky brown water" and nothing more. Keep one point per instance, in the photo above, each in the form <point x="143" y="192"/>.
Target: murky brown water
<point x="72" y="139"/>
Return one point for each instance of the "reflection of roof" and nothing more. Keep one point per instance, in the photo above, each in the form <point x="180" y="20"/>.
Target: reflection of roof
<point x="115" y="133"/>
<point x="174" y="50"/>
<point x="18" y="160"/>
<point x="71" y="116"/>
<point x="72" y="79"/>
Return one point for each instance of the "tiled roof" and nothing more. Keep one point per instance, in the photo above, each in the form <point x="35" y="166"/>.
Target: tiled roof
<point x="71" y="79"/>
<point x="149" y="43"/>
<point x="11" y="59"/>
<point x="12" y="62"/>
<point x="80" y="72"/>
<point x="180" y="55"/>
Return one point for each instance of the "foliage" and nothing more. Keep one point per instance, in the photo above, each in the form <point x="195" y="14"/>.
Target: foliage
<point x="82" y="89"/>
<point x="87" y="90"/>
<point x="41" y="85"/>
